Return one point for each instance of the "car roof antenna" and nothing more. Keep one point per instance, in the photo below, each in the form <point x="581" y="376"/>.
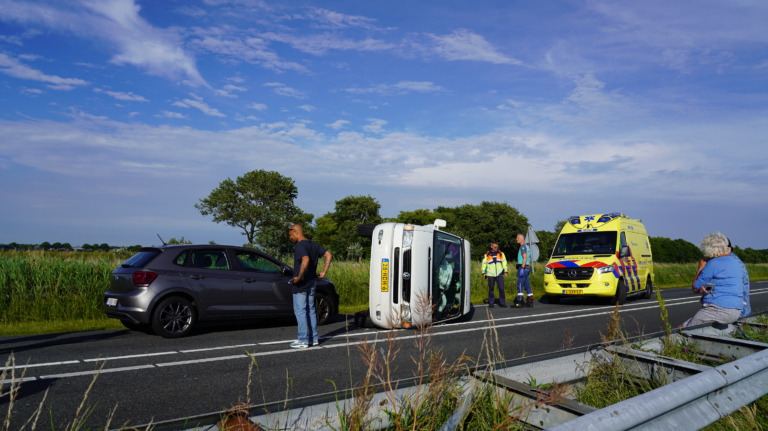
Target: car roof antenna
<point x="161" y="240"/>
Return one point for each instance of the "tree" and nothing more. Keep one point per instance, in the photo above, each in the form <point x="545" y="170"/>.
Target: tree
<point x="85" y="246"/>
<point x="546" y="243"/>
<point x="260" y="203"/>
<point x="66" y="246"/>
<point x="56" y="245"/>
<point x="422" y="217"/>
<point x="104" y="246"/>
<point x="667" y="250"/>
<point x="481" y="224"/>
<point x="133" y="248"/>
<point x="46" y="245"/>
<point x="337" y="230"/>
<point x="174" y="241"/>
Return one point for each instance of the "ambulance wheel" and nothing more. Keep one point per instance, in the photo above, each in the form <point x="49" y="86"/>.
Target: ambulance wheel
<point x="620" y="297"/>
<point x="553" y="299"/>
<point x="648" y="289"/>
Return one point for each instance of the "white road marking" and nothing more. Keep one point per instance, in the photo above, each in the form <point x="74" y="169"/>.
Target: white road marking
<point x="219" y="348"/>
<point x="197" y="361"/>
<point x="90" y="373"/>
<point x="14" y="381"/>
<point x="112" y="358"/>
<point x="42" y="365"/>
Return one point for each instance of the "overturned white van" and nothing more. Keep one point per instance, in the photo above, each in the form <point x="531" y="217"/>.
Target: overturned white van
<point x="419" y="275"/>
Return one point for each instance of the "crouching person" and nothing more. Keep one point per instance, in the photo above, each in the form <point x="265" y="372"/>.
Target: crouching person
<point x="720" y="280"/>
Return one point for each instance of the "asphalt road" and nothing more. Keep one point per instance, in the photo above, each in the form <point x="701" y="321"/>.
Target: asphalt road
<point x="149" y="378"/>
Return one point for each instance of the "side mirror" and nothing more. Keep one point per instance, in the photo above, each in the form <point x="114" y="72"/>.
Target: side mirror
<point x="287" y="271"/>
<point x="624" y="252"/>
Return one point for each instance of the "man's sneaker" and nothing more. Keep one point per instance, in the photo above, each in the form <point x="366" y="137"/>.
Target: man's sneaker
<point x="299" y="345"/>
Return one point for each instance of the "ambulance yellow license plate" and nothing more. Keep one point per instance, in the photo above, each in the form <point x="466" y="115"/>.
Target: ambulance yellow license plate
<point x="385" y="275"/>
<point x="574" y="292"/>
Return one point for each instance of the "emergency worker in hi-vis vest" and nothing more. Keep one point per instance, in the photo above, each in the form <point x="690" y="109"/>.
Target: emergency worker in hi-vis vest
<point x="494" y="270"/>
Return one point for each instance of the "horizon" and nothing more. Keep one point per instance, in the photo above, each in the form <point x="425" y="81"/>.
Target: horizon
<point x="117" y="116"/>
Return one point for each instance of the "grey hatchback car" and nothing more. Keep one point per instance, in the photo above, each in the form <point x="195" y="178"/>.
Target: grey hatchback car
<point x="171" y="288"/>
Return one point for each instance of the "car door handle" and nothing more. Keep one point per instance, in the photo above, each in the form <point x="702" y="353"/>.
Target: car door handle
<point x="197" y="277"/>
<point x="248" y="280"/>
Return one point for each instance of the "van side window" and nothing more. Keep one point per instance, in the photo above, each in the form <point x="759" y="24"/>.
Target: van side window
<point x="623" y="239"/>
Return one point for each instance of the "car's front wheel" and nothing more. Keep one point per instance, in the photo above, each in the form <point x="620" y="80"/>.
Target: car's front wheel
<point x="323" y="308"/>
<point x="174" y="317"/>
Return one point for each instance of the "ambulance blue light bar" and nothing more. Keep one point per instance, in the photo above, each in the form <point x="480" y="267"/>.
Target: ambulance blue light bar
<point x="574" y="219"/>
<point x="608" y="217"/>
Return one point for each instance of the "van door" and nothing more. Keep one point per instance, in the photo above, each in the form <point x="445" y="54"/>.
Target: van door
<point x="447" y="277"/>
<point x="628" y="264"/>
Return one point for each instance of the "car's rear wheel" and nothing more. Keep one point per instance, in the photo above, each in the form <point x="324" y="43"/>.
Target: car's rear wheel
<point x="553" y="299"/>
<point x="174" y="317"/>
<point x="323" y="308"/>
<point x="620" y="297"/>
<point x="648" y="289"/>
<point x="133" y="326"/>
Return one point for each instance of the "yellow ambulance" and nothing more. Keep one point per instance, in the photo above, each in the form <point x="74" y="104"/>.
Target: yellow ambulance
<point x="604" y="255"/>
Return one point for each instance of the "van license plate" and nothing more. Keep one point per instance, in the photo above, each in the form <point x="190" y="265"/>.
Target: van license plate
<point x="111" y="302"/>
<point x="574" y="292"/>
<point x="385" y="275"/>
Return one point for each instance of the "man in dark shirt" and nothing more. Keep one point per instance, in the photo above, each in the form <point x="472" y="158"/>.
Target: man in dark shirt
<point x="305" y="278"/>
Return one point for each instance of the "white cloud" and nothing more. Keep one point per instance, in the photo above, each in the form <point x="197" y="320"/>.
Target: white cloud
<point x="319" y="44"/>
<point x="168" y="114"/>
<point x="257" y="106"/>
<point x="33" y="90"/>
<point x="133" y="114"/>
<point x="462" y="44"/>
<point x="308" y="108"/>
<point x="338" y="124"/>
<point x="137" y="42"/>
<point x="375" y="125"/>
<point x="191" y="11"/>
<point x="402" y="87"/>
<point x="199" y="104"/>
<point x="237" y="47"/>
<point x="12" y="67"/>
<point x="226" y="90"/>
<point x="335" y="20"/>
<point x="282" y="90"/>
<point x="129" y="96"/>
<point x="237" y="79"/>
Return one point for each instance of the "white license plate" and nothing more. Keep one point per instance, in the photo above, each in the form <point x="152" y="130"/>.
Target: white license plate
<point x="111" y="302"/>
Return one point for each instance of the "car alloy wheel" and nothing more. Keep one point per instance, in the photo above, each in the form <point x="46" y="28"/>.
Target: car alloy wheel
<point x="323" y="308"/>
<point x="173" y="317"/>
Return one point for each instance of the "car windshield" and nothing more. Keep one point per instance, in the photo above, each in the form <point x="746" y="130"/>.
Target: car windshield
<point x="140" y="259"/>
<point x="586" y="243"/>
<point x="447" y="276"/>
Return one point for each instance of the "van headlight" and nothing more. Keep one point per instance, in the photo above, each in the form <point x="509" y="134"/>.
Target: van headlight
<point x="605" y="269"/>
<point x="405" y="313"/>
<point x="547" y="270"/>
<point x="407" y="238"/>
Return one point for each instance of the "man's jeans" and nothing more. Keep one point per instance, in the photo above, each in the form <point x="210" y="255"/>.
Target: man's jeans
<point x="306" y="317"/>
<point x="524" y="281"/>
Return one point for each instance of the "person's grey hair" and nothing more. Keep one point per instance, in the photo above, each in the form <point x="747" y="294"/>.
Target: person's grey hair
<point x="714" y="245"/>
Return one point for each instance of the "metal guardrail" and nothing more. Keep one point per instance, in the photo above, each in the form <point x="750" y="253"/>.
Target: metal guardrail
<point x="695" y="396"/>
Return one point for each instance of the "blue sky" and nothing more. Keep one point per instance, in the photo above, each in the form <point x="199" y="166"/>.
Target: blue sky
<point x="117" y="116"/>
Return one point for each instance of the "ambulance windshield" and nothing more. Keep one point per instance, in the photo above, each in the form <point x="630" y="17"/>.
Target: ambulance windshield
<point x="586" y="243"/>
<point x="447" y="276"/>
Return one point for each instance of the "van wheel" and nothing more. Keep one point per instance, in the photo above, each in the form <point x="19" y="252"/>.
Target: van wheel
<point x="174" y="317"/>
<point x="553" y="299"/>
<point x="648" y="289"/>
<point x="620" y="297"/>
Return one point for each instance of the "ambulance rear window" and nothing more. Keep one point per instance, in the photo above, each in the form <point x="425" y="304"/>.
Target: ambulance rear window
<point x="586" y="243"/>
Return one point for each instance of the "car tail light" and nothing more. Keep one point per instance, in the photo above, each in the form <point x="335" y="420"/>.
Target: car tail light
<point x="143" y="278"/>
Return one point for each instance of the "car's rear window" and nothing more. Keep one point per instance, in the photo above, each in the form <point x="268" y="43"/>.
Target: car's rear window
<point x="140" y="259"/>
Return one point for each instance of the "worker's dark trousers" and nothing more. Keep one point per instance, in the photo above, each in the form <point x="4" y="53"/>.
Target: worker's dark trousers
<point x="499" y="280"/>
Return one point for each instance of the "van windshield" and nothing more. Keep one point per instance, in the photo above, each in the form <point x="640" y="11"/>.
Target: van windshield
<point x="586" y="243"/>
<point x="447" y="276"/>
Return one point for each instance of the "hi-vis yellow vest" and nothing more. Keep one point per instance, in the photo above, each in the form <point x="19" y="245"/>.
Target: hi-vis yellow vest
<point x="494" y="265"/>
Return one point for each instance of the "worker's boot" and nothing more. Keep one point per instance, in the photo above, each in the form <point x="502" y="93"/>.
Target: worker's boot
<point x="530" y="302"/>
<point x="518" y="301"/>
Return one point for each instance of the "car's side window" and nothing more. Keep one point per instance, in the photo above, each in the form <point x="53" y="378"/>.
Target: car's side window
<point x="181" y="258"/>
<point x="209" y="259"/>
<point x="253" y="262"/>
